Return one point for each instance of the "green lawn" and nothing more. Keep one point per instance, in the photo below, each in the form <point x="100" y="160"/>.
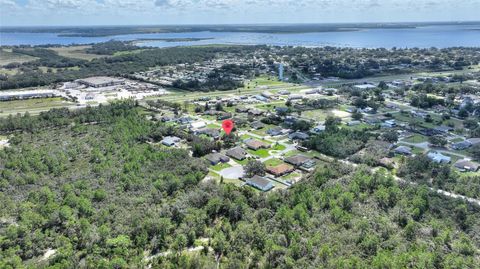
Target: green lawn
<point x="242" y="162"/>
<point x="220" y="166"/>
<point x="213" y="126"/>
<point x="456" y="140"/>
<point x="416" y="138"/>
<point x="273" y="162"/>
<point x="291" y="176"/>
<point x="33" y="106"/>
<point x="278" y="147"/>
<point x="246" y="136"/>
<point x="262" y="153"/>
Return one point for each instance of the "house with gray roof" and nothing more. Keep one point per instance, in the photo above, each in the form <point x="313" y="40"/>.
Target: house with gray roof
<point x="260" y="183"/>
<point x="170" y="141"/>
<point x="216" y="158"/>
<point x="237" y="153"/>
<point x="438" y="157"/>
<point x="403" y="150"/>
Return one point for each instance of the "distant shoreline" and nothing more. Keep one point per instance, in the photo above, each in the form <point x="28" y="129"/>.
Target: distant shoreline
<point x="180" y="39"/>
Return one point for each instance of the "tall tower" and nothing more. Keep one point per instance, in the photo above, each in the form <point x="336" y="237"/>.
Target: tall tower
<point x="280" y="72"/>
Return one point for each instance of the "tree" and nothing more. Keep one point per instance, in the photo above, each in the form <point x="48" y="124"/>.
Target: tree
<point x="463" y="113"/>
<point x="382" y="85"/>
<point x="475" y="151"/>
<point x="437" y="141"/>
<point x="390" y="136"/>
<point x="357" y="115"/>
<point x="470" y="124"/>
<point x="253" y="168"/>
<point x="332" y="123"/>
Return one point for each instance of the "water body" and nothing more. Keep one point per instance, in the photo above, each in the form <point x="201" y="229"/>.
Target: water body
<point x="440" y="36"/>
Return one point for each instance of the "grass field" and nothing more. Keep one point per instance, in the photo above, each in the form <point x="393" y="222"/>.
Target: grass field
<point x="273" y="162"/>
<point x="33" y="106"/>
<point x="278" y="147"/>
<point x="77" y="52"/>
<point x="7" y="57"/>
<point x="262" y="153"/>
<point x="416" y="138"/>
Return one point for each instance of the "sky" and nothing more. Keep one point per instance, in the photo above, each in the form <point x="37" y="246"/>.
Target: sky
<point x="157" y="12"/>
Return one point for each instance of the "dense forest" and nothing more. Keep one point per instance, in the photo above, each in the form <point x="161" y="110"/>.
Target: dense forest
<point x="93" y="186"/>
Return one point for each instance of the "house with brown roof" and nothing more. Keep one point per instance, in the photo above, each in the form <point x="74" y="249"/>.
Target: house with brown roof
<point x="280" y="170"/>
<point x="465" y="166"/>
<point x="255" y="144"/>
<point x="297" y="160"/>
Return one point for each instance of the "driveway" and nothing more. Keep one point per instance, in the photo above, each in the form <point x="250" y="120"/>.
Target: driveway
<point x="234" y="172"/>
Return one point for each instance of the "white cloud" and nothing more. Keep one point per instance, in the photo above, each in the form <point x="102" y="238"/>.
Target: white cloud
<point x="233" y="11"/>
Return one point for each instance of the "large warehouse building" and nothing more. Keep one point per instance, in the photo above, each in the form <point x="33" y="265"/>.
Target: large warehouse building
<point x="98" y="82"/>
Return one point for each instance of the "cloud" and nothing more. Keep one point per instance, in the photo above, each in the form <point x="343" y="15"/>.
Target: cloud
<point x="232" y="11"/>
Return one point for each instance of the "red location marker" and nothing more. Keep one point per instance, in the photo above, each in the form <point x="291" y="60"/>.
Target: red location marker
<point x="227" y="126"/>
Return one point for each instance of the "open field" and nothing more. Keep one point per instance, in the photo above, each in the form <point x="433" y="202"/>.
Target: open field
<point x="33" y="106"/>
<point x="416" y="138"/>
<point x="77" y="52"/>
<point x="7" y="57"/>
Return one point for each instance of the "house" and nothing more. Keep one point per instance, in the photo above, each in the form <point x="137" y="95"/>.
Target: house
<point x="474" y="141"/>
<point x="467" y="166"/>
<point x="318" y="129"/>
<point x="241" y="109"/>
<point x="261" y="98"/>
<point x="283" y="92"/>
<point x="295" y="97"/>
<point x="257" y="125"/>
<point x="298" y="136"/>
<point x="389" y="124"/>
<point x="255" y="144"/>
<point x="297" y="160"/>
<point x="438" y="157"/>
<point x="403" y="150"/>
<point x="255" y="112"/>
<point x="276" y="131"/>
<point x="280" y="170"/>
<point x="237" y="153"/>
<point x="223" y="115"/>
<point x="281" y="110"/>
<point x="290" y="120"/>
<point x="465" y="144"/>
<point x="443" y="129"/>
<point x="197" y="125"/>
<point x="267" y="94"/>
<point x="369" y="110"/>
<point x="184" y="120"/>
<point x="170" y="141"/>
<point x="260" y="183"/>
<point x="213" y="133"/>
<point x="216" y="158"/>
<point x="353" y="123"/>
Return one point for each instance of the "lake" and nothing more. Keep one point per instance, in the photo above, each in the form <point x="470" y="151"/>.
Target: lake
<point x="440" y="36"/>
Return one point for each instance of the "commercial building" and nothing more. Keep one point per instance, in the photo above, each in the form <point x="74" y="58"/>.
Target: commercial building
<point x="99" y="82"/>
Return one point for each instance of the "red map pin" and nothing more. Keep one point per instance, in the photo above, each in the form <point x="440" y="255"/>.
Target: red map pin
<point x="227" y="126"/>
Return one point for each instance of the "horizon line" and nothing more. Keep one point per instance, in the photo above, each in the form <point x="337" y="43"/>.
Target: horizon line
<point x="250" y="24"/>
